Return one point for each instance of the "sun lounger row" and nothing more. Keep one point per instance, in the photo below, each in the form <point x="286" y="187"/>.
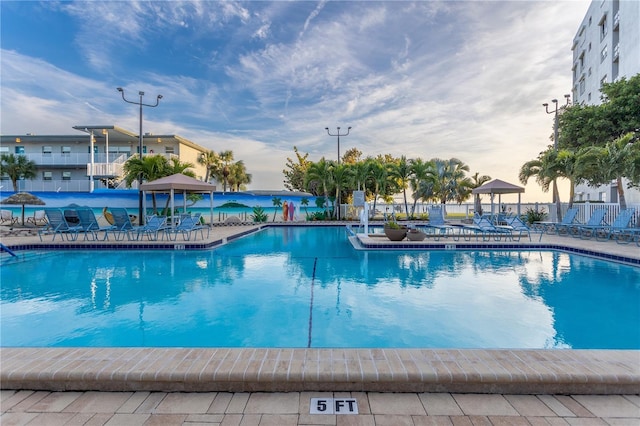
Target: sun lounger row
<point x="620" y="229"/>
<point x="71" y="223"/>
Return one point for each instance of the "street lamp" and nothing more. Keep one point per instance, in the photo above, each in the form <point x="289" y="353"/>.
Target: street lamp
<point x="338" y="134"/>
<point x="141" y="104"/>
<point x="555" y="143"/>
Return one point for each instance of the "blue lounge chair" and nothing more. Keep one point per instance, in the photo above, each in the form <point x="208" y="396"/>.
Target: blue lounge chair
<point x="57" y="224"/>
<point x="517" y="225"/>
<point x="90" y="226"/>
<point x="605" y="232"/>
<point x="483" y="226"/>
<point x="122" y="225"/>
<point x="153" y="227"/>
<point x="595" y="221"/>
<point x="569" y="219"/>
<point x="437" y="225"/>
<point x="189" y="225"/>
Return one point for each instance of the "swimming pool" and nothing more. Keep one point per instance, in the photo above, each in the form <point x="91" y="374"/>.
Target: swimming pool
<point x="307" y="287"/>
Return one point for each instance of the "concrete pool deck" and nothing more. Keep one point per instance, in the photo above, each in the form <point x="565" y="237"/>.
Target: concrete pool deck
<point x="364" y="372"/>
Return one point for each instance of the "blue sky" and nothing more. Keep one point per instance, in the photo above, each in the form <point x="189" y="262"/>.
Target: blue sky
<point x="424" y="79"/>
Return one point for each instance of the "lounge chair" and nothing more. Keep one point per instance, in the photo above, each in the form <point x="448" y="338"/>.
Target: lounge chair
<point x="569" y="219"/>
<point x="152" y="228"/>
<point x="90" y="225"/>
<point x="57" y="224"/>
<point x="38" y="218"/>
<point x="189" y="225"/>
<point x="517" y="225"/>
<point x="483" y="226"/>
<point x="122" y="224"/>
<point x="596" y="220"/>
<point x="604" y="232"/>
<point x="7" y="216"/>
<point x="437" y="225"/>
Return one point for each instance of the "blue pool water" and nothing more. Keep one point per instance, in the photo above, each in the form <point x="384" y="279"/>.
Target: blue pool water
<point x="307" y="287"/>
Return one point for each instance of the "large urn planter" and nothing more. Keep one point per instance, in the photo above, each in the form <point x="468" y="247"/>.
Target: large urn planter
<point x="416" y="235"/>
<point x="395" y="234"/>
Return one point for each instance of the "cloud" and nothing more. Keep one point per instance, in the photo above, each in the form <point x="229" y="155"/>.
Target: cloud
<point x="422" y="79"/>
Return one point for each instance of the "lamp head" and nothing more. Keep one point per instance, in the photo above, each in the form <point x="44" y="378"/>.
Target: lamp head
<point x="141" y="93"/>
<point x="159" y="96"/>
<point x="349" y="128"/>
<point x="326" y="128"/>
<point x="338" y="127"/>
<point x="545" y="105"/>
<point x="120" y="89"/>
<point x="555" y="101"/>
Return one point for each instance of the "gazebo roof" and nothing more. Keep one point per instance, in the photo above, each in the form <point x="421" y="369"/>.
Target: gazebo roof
<point x="178" y="182"/>
<point x="498" y="186"/>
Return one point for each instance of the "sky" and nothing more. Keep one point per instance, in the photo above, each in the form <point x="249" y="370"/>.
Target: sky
<point x="424" y="79"/>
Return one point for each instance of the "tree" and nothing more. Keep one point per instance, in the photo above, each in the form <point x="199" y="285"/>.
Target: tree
<point x="294" y="173"/>
<point x="152" y="167"/>
<point x="341" y="175"/>
<point x="450" y="179"/>
<point x="17" y="167"/>
<point x="545" y="169"/>
<point x="211" y="161"/>
<point x="320" y="174"/>
<point x="238" y="176"/>
<point x="277" y="203"/>
<point x="600" y="165"/>
<point x="401" y="170"/>
<point x="222" y="168"/>
<point x="477" y="181"/>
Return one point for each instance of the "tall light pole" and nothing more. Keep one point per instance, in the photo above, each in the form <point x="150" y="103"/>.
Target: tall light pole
<point x="556" y="198"/>
<point x="141" y="104"/>
<point x="338" y="134"/>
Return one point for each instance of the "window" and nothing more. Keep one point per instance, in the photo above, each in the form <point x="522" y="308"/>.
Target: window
<point x="47" y="175"/>
<point x="582" y="85"/>
<point x="19" y="150"/>
<point x="603" y="27"/>
<point x="47" y="150"/>
<point x="4" y="149"/>
<point x="603" y="53"/>
<point x="66" y="150"/>
<point x="603" y="80"/>
<point x="589" y="97"/>
<point x="168" y="150"/>
<point x="66" y="175"/>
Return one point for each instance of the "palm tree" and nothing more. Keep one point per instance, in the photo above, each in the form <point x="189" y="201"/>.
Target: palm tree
<point x="320" y="174"/>
<point x="341" y="176"/>
<point x="304" y="201"/>
<point x="449" y="176"/>
<point x="546" y="170"/>
<point x="599" y="165"/>
<point x="211" y="161"/>
<point x="422" y="172"/>
<point x="277" y="203"/>
<point x="380" y="179"/>
<point x="238" y="176"/>
<point x="477" y="182"/>
<point x="17" y="167"/>
<point x="402" y="172"/>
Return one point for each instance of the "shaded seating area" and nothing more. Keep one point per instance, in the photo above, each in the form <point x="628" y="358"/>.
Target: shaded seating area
<point x="189" y="225"/>
<point x="57" y="224"/>
<point x="154" y="227"/>
<point x="482" y="226"/>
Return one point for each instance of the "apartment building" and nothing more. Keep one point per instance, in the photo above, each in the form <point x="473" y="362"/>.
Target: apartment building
<point x="92" y="158"/>
<point x="605" y="49"/>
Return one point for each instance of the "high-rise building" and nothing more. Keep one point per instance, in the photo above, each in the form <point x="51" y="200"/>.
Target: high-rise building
<point x="606" y="48"/>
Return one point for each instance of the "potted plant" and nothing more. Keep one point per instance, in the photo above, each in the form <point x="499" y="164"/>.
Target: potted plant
<point x="415" y="235"/>
<point x="394" y="231"/>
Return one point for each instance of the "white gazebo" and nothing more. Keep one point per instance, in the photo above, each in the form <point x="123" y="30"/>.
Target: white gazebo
<point x="499" y="187"/>
<point x="181" y="183"/>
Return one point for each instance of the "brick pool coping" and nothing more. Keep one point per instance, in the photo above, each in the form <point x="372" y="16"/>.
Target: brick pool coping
<point x="520" y="371"/>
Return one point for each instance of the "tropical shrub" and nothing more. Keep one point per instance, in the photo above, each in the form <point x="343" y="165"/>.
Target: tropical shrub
<point x="535" y="215"/>
<point x="259" y="215"/>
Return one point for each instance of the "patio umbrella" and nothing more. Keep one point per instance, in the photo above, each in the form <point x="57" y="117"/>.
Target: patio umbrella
<point x="22" y="198"/>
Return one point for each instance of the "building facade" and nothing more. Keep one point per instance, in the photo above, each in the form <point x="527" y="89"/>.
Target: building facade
<point x="93" y="158"/>
<point x="606" y="48"/>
